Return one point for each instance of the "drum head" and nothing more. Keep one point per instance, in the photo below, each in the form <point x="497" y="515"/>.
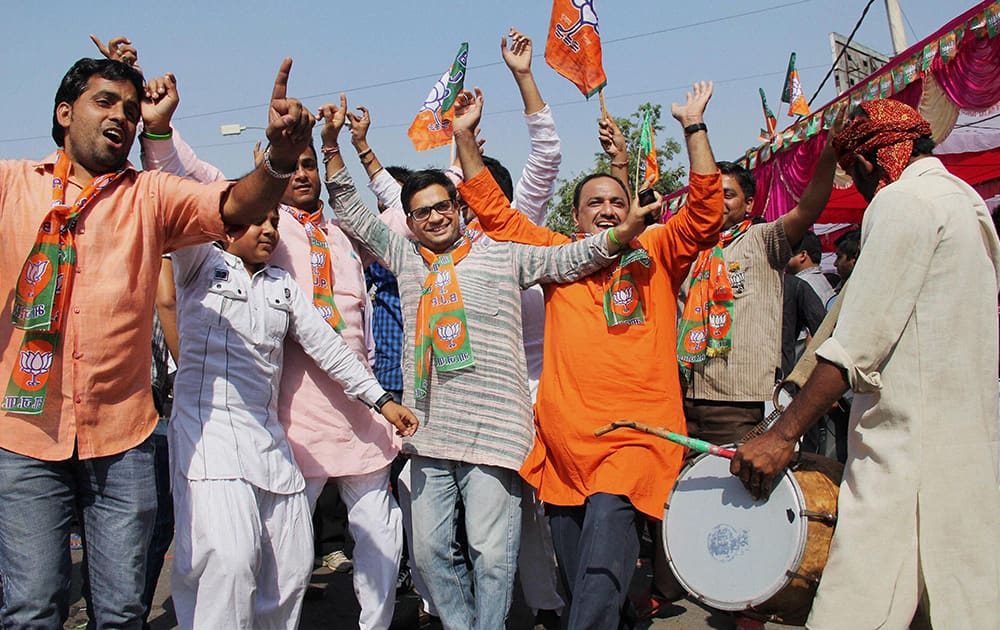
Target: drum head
<point x="726" y="549"/>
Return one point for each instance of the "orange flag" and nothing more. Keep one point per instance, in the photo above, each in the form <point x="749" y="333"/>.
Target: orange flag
<point x="573" y="48"/>
<point x="792" y="94"/>
<point x="432" y="126"/>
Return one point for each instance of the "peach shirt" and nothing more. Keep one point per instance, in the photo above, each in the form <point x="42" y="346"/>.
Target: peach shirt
<point x="99" y="400"/>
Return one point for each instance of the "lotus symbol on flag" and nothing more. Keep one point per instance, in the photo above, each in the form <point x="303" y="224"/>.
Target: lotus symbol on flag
<point x="623" y="297"/>
<point x="325" y="311"/>
<point x="443" y="279"/>
<point x="588" y="17"/>
<point x="450" y="332"/>
<point x="317" y="259"/>
<point x="435" y="99"/>
<point x="34" y="362"/>
<point x="35" y="270"/>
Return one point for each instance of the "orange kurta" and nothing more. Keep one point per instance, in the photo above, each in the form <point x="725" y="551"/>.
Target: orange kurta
<point x="593" y="374"/>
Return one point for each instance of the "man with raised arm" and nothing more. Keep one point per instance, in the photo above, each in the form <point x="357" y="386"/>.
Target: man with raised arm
<point x="730" y="364"/>
<point x="80" y="256"/>
<point x="332" y="435"/>
<point x="601" y="489"/>
<point x="919" y="506"/>
<point x="531" y="194"/>
<point x="465" y="377"/>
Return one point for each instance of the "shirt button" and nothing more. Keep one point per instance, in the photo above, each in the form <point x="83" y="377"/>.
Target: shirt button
<point x="78" y="399"/>
<point x="77" y="355"/>
<point x="76" y="309"/>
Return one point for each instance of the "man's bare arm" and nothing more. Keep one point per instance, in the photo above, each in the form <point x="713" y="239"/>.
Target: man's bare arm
<point x="692" y="112"/>
<point x="760" y="460"/>
<point x="817" y="193"/>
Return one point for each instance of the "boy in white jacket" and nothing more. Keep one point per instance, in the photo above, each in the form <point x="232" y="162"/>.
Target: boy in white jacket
<point x="242" y="558"/>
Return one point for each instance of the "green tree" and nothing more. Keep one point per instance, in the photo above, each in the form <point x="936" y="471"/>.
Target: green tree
<point x="560" y="216"/>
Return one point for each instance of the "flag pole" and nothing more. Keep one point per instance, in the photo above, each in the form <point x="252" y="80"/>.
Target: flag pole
<point x="635" y="190"/>
<point x="604" y="107"/>
<point x="451" y="159"/>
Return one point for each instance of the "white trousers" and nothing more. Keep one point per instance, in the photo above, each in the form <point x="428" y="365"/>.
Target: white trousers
<point x="375" y="523"/>
<point x="243" y="556"/>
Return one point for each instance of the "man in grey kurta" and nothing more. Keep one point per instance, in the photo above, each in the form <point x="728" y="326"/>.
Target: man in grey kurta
<point x="919" y="512"/>
<point x="478" y="424"/>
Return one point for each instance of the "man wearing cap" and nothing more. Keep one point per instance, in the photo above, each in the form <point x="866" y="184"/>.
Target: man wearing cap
<point x="917" y="343"/>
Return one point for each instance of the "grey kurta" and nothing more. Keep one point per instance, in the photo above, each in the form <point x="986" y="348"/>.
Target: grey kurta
<point x="918" y="338"/>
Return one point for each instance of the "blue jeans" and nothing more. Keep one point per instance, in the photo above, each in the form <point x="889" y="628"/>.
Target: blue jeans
<point x="163" y="526"/>
<point x="116" y="497"/>
<point x="492" y="499"/>
<point x="597" y="546"/>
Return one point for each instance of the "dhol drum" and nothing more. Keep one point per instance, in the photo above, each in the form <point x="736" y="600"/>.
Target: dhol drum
<point x="763" y="558"/>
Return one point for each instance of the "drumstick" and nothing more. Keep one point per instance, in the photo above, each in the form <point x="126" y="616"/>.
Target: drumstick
<point x="700" y="446"/>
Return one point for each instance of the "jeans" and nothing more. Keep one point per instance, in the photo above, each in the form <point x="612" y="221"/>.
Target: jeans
<point x="163" y="527"/>
<point x="116" y="496"/>
<point x="597" y="546"/>
<point x="492" y="499"/>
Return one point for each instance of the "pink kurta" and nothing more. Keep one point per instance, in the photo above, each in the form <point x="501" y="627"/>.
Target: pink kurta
<point x="331" y="435"/>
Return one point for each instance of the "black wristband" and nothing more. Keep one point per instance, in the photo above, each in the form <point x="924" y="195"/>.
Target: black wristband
<point x="695" y="128"/>
<point x="381" y="402"/>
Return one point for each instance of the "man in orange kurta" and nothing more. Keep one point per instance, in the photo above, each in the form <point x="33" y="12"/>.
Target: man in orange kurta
<point x="610" y="354"/>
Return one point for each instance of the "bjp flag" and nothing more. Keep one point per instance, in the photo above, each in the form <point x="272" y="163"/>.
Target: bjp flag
<point x="647" y="145"/>
<point x="573" y="48"/>
<point x="769" y="118"/>
<point x="792" y="94"/>
<point x="432" y="126"/>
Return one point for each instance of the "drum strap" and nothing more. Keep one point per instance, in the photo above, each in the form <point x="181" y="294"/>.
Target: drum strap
<point x="804" y="367"/>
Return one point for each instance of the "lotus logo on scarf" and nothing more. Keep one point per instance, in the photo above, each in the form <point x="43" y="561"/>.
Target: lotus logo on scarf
<point x="35" y="363"/>
<point x="718" y="324"/>
<point x="35" y="270"/>
<point x="35" y="277"/>
<point x="443" y="280"/>
<point x="450" y="332"/>
<point x="696" y="340"/>
<point x="317" y="259"/>
<point x="325" y="311"/>
<point x="624" y="299"/>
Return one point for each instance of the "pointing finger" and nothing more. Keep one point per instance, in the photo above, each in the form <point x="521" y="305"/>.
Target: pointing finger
<point x="281" y="81"/>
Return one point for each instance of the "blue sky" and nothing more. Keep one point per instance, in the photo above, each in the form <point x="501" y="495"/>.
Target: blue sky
<point x="386" y="54"/>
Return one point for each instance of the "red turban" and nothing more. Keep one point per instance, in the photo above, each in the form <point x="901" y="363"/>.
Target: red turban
<point x="889" y="131"/>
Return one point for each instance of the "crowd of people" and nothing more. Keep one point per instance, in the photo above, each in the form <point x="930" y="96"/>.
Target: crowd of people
<point x="441" y="366"/>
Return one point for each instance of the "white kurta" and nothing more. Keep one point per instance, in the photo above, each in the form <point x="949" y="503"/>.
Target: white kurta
<point x="918" y="338"/>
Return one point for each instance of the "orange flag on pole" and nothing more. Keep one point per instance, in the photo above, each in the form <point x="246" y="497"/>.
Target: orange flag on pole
<point x="432" y="126"/>
<point x="792" y="94"/>
<point x="573" y="48"/>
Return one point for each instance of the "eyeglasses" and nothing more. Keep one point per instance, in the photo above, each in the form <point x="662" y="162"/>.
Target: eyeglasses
<point x="446" y="206"/>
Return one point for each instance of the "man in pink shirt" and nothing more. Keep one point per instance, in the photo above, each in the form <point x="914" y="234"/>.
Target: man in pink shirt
<point x="332" y="436"/>
<point x="80" y="256"/>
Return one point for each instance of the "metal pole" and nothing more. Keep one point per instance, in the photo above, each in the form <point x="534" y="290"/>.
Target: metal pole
<point x="896" y="25"/>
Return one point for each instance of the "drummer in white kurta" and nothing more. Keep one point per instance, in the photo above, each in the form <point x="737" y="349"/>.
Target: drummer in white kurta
<point x="919" y="513"/>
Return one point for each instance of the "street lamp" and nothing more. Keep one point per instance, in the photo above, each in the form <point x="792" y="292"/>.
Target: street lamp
<point x="235" y="129"/>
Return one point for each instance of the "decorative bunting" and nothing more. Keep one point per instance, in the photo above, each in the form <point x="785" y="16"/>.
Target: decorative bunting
<point x="889" y="81"/>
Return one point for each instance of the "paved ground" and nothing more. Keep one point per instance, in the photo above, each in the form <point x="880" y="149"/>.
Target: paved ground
<point x="330" y="605"/>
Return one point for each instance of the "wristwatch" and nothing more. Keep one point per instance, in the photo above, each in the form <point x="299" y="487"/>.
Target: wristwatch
<point x="383" y="399"/>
